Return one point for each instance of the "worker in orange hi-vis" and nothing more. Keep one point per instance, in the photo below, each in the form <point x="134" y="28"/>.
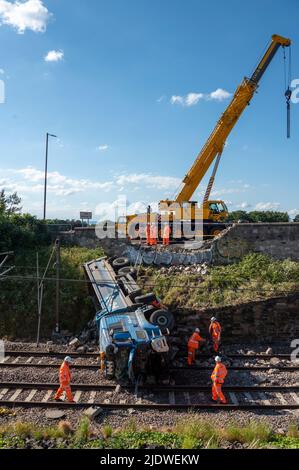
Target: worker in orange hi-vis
<point x="193" y="345"/>
<point x="148" y="234"/>
<point x="166" y="235"/>
<point x="215" y="332"/>
<point x="154" y="235"/>
<point x="65" y="381"/>
<point x="218" y="377"/>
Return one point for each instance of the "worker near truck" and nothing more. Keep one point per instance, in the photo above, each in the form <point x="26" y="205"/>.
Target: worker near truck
<point x="193" y="345"/>
<point x="215" y="333"/>
<point x="65" y="381"/>
<point x="218" y="376"/>
<point x="166" y="235"/>
<point x="153" y="235"/>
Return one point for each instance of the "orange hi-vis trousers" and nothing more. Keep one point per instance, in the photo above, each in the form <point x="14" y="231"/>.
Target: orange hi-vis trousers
<point x="191" y="355"/>
<point x="216" y="342"/>
<point x="64" y="388"/>
<point x="217" y="393"/>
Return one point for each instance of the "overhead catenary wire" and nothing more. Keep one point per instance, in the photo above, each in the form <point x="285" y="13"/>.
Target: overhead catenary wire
<point x="185" y="286"/>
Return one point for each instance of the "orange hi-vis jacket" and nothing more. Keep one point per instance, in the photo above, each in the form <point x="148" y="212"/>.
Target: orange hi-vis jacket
<point x="215" y="329"/>
<point x="219" y="373"/>
<point x="193" y="342"/>
<point x="64" y="374"/>
<point x="166" y="232"/>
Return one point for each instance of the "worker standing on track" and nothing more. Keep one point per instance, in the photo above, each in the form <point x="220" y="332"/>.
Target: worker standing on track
<point x="166" y="235"/>
<point x="65" y="381"/>
<point x="218" y="377"/>
<point x="148" y="234"/>
<point x="193" y="345"/>
<point x="215" y="333"/>
<point x="154" y="235"/>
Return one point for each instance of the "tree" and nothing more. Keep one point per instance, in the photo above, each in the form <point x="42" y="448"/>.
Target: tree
<point x="259" y="216"/>
<point x="296" y="218"/>
<point x="10" y="204"/>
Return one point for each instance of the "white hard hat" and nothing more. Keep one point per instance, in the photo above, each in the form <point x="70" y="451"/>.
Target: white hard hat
<point x="68" y="359"/>
<point x="197" y="330"/>
<point x="217" y="359"/>
<point x="213" y="319"/>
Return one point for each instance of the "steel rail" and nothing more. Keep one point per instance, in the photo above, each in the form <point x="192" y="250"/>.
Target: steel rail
<point x="157" y="388"/>
<point x="96" y="367"/>
<point x="95" y="354"/>
<point x="151" y="406"/>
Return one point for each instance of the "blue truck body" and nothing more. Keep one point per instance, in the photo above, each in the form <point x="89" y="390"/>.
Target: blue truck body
<point x="130" y="345"/>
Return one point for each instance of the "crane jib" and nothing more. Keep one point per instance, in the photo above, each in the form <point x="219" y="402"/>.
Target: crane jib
<point x="216" y="141"/>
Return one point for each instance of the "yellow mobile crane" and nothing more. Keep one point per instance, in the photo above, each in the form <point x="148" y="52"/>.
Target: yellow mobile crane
<point x="213" y="212"/>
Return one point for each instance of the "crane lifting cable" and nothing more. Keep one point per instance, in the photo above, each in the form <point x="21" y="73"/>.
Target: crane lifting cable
<point x="288" y="92"/>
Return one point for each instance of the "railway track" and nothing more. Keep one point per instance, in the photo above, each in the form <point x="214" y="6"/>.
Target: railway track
<point x="179" y="397"/>
<point x="94" y="355"/>
<point x="38" y="359"/>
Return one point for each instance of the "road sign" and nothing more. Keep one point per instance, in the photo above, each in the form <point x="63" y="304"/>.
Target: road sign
<point x="85" y="215"/>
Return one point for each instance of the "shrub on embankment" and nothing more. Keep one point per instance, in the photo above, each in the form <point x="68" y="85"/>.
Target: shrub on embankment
<point x="256" y="277"/>
<point x="22" y="231"/>
<point x="18" y="293"/>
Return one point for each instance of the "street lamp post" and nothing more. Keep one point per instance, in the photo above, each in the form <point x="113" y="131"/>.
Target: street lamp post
<point x="46" y="172"/>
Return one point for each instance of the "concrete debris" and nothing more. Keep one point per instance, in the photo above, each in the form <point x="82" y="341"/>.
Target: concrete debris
<point x="274" y="361"/>
<point x="82" y="349"/>
<point x="92" y="412"/>
<point x="55" y="414"/>
<point x="269" y="351"/>
<point x="260" y="380"/>
<point x="75" y="343"/>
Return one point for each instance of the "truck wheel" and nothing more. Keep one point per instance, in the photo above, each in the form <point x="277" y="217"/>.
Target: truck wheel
<point x="145" y="299"/>
<point x="127" y="270"/>
<point x="109" y="370"/>
<point x="119" y="263"/>
<point x="163" y="319"/>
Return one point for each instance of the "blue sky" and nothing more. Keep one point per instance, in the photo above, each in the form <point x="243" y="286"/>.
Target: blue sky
<point x="110" y="78"/>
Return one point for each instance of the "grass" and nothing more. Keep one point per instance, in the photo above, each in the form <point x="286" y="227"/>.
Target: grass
<point x="190" y="433"/>
<point x="255" y="277"/>
<point x="82" y="433"/>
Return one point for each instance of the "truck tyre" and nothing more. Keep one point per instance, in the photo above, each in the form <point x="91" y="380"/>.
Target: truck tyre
<point x="109" y="370"/>
<point x="145" y="299"/>
<point x="127" y="270"/>
<point x="163" y="319"/>
<point x="122" y="262"/>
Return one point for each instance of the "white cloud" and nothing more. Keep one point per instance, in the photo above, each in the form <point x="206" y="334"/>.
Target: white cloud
<point x="2" y="72"/>
<point x="54" y="56"/>
<point x="219" y="95"/>
<point x="31" y="14"/>
<point x="160" y="99"/>
<point x="192" y="98"/>
<point x="293" y="212"/>
<point x="267" y="206"/>
<point x="243" y="206"/>
<point x="149" y="181"/>
<point x="102" y="148"/>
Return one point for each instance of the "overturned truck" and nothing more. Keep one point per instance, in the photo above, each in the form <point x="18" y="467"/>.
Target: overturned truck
<point x="132" y="328"/>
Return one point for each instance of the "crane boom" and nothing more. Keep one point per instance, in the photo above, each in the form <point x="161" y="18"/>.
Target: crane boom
<point x="216" y="141"/>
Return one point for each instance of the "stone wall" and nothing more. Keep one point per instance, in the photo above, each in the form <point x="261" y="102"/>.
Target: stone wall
<point x="279" y="240"/>
<point x="275" y="319"/>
